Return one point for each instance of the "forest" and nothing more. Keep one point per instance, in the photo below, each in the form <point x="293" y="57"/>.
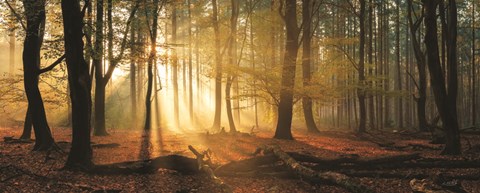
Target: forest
<point x="240" y="96"/>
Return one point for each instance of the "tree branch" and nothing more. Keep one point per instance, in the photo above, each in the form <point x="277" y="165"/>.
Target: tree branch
<point x="117" y="59"/>
<point x="16" y="15"/>
<point x="53" y="65"/>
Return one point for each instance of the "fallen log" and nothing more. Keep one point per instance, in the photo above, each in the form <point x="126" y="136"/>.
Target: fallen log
<point x="182" y="164"/>
<point x="425" y="164"/>
<point x="205" y="164"/>
<point x="407" y="175"/>
<point x="313" y="176"/>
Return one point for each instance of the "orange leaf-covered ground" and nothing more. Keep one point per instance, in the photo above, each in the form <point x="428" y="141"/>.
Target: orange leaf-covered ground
<point x="47" y="176"/>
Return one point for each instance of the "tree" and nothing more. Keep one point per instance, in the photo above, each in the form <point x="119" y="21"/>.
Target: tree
<point x="151" y="58"/>
<point x="232" y="58"/>
<point x="474" y="79"/>
<point x="218" y="68"/>
<point x="35" y="16"/>
<point x="306" y="63"/>
<point x="285" y="106"/>
<point x="444" y="101"/>
<point x="421" y="67"/>
<point x="102" y="77"/>
<point x="175" y="68"/>
<point x="361" y="70"/>
<point x="80" y="155"/>
<point x="398" y="61"/>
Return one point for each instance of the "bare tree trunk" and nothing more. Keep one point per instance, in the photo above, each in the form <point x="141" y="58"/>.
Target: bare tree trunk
<point x="190" y="69"/>
<point x="218" y="69"/>
<point x="285" y="106"/>
<point x="474" y="79"/>
<point x="398" y="63"/>
<point x="361" y="70"/>
<point x="443" y="101"/>
<point x="35" y="15"/>
<point x="133" y="77"/>
<point x="151" y="59"/>
<point x="306" y="63"/>
<point x="99" y="114"/>
<point x="421" y="67"/>
<point x="371" y="106"/>
<point x="175" y="69"/>
<point x="80" y="155"/>
<point x="232" y="57"/>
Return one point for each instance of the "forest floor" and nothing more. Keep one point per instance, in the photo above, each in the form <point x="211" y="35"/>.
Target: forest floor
<point x="22" y="170"/>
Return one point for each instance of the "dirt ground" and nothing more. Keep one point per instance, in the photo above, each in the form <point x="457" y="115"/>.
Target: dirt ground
<point x="22" y="170"/>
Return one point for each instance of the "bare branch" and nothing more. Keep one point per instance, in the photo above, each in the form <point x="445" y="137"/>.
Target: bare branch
<point x="16" y="15"/>
<point x="53" y="65"/>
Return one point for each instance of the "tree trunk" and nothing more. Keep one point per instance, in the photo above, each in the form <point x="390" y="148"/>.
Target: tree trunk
<point x="133" y="77"/>
<point x="285" y="106"/>
<point x="35" y="15"/>
<point x="452" y="132"/>
<point x="99" y="114"/>
<point x="371" y="106"/>
<point x="190" y="63"/>
<point x="422" y="75"/>
<point x="151" y="59"/>
<point x="474" y="79"/>
<point x="218" y="69"/>
<point x="361" y="70"/>
<point x="80" y="155"/>
<point x="442" y="100"/>
<point x="306" y="63"/>
<point x="175" y="69"/>
<point x="398" y="61"/>
<point x="27" y="126"/>
<point x="232" y="57"/>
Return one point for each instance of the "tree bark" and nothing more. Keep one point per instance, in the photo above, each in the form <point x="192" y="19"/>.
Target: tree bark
<point x="151" y="59"/>
<point x="452" y="132"/>
<point x="218" y="69"/>
<point x="99" y="114"/>
<point x="361" y="70"/>
<point x="306" y="63"/>
<point x="442" y="100"/>
<point x="133" y="77"/>
<point x="175" y="69"/>
<point x="285" y="106"/>
<point x="421" y="67"/>
<point x="80" y="156"/>
<point x="35" y="15"/>
<point x="232" y="57"/>
<point x="474" y="79"/>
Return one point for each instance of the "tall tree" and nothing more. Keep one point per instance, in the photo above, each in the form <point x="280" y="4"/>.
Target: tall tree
<point x="99" y="114"/>
<point x="306" y="65"/>
<point x="102" y="76"/>
<point x="421" y="67"/>
<point x="80" y="155"/>
<point x="285" y="106"/>
<point x="361" y="70"/>
<point x="232" y="60"/>
<point x="218" y="68"/>
<point x="35" y="16"/>
<point x="190" y="62"/>
<point x="443" y="100"/>
<point x="153" y="12"/>
<point x="399" y="105"/>
<point x="133" y="73"/>
<point x="474" y="79"/>
<point x="175" y="67"/>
